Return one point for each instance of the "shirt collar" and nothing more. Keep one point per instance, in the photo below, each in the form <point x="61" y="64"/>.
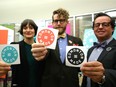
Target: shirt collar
<point x="107" y="41"/>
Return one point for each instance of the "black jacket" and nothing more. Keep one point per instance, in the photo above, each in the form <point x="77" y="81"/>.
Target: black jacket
<point x="57" y="74"/>
<point x="108" y="59"/>
<point x="20" y="71"/>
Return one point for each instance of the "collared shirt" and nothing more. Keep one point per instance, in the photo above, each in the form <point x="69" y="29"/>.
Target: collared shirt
<point x="97" y="51"/>
<point x="62" y="42"/>
<point x="94" y="56"/>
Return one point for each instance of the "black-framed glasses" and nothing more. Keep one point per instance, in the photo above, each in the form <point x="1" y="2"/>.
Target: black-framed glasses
<point x="104" y="24"/>
<point x="60" y="20"/>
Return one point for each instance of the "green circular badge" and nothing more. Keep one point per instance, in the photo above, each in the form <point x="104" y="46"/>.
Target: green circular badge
<point x="9" y="54"/>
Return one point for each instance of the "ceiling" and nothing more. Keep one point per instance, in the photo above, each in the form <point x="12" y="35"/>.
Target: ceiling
<point x="14" y="11"/>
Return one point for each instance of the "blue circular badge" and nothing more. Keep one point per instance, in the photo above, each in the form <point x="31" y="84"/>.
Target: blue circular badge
<point x="9" y="54"/>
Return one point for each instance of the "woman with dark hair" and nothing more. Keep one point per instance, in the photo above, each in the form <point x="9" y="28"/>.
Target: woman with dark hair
<point x="28" y="73"/>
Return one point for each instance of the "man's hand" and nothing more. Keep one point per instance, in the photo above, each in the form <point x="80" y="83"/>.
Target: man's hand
<point x="39" y="51"/>
<point x="93" y="70"/>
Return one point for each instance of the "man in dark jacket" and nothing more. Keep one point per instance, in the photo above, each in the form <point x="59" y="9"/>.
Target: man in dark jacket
<point x="56" y="73"/>
<point x="100" y="70"/>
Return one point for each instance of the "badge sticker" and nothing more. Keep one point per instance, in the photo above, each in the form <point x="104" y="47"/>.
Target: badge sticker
<point x="75" y="55"/>
<point x="47" y="36"/>
<point x="108" y="48"/>
<point x="10" y="54"/>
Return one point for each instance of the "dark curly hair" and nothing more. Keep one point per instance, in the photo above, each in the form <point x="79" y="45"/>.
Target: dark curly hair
<point x="30" y="22"/>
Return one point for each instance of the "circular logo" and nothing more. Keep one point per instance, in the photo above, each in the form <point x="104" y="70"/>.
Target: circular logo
<point x="75" y="56"/>
<point x="46" y="36"/>
<point x="9" y="54"/>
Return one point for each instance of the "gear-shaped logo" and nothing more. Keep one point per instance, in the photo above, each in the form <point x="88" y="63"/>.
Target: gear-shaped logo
<point x="75" y="56"/>
<point x="46" y="36"/>
<point x="9" y="54"/>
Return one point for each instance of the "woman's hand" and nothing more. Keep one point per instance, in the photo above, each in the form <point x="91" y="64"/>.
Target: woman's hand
<point x="4" y="68"/>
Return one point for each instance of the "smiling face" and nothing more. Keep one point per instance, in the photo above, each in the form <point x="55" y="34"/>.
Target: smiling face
<point x="28" y="32"/>
<point x="102" y="28"/>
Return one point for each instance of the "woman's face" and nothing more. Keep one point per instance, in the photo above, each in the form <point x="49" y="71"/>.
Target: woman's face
<point x="28" y="31"/>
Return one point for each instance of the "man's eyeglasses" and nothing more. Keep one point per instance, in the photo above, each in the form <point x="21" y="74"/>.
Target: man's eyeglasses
<point x="104" y="24"/>
<point x="61" y="21"/>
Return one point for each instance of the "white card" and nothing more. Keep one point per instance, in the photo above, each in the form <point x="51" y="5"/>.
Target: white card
<point x="76" y="55"/>
<point x="47" y="36"/>
<point x="10" y="54"/>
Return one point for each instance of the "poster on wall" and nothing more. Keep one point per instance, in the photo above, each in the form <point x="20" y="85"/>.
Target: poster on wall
<point x="7" y="35"/>
<point x="89" y="37"/>
<point x="4" y="36"/>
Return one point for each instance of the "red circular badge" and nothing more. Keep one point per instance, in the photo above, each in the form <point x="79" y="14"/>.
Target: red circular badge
<point x="45" y="36"/>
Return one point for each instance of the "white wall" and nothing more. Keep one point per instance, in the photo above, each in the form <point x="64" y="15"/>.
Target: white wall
<point x="15" y="11"/>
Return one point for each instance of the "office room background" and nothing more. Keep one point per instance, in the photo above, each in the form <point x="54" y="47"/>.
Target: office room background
<point x="82" y="12"/>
